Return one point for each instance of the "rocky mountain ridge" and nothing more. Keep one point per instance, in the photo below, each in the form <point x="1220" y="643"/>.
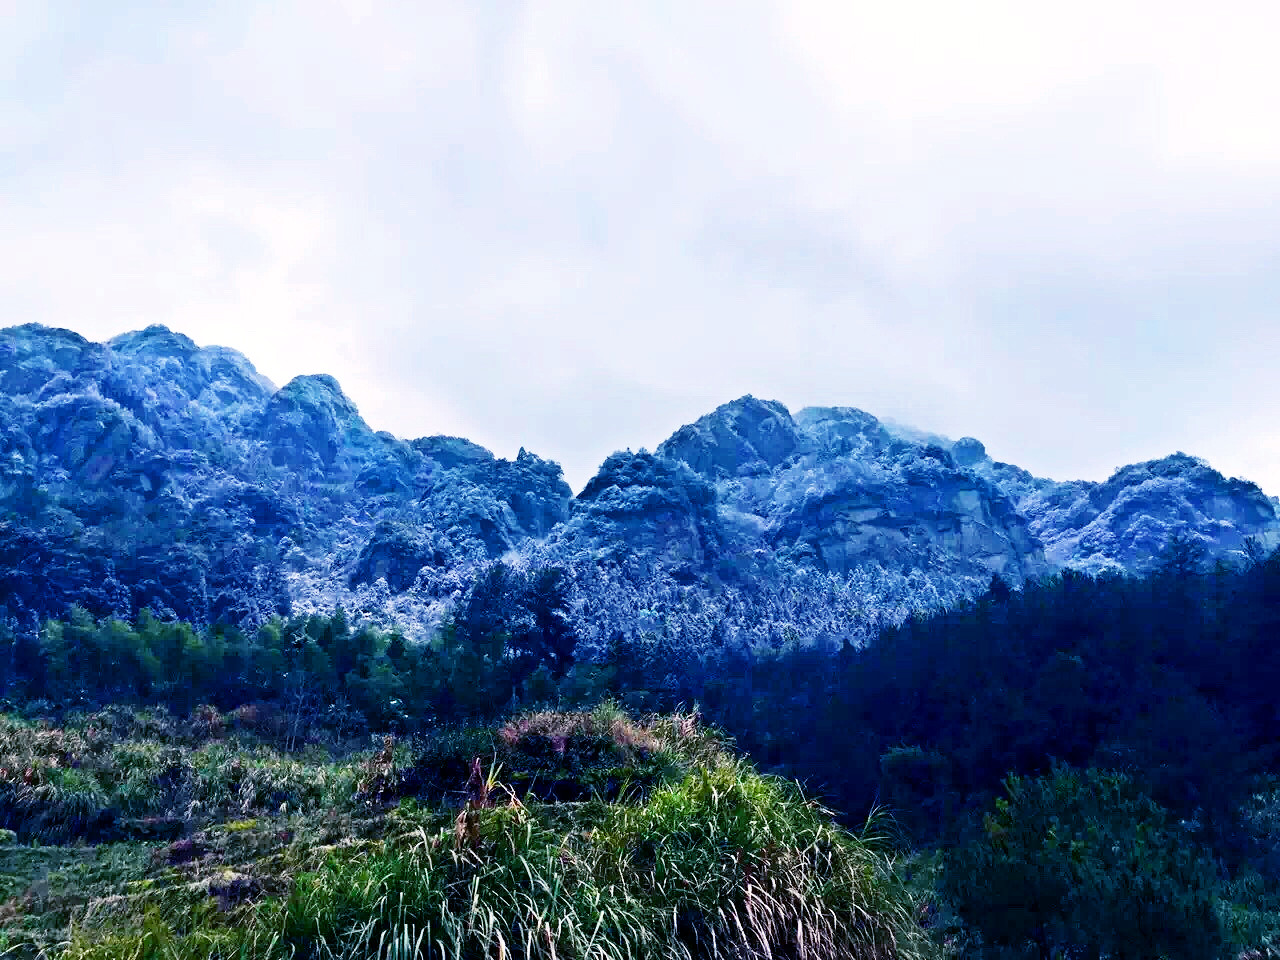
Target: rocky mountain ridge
<point x="149" y="471"/>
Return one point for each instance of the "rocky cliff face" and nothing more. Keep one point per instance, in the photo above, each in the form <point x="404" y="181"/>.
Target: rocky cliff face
<point x="834" y="488"/>
<point x="748" y="437"/>
<point x="1124" y="522"/>
<point x="652" y="508"/>
<point x="149" y="471"/>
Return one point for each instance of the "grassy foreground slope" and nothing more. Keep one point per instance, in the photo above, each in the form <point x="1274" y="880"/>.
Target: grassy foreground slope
<point x="137" y="835"/>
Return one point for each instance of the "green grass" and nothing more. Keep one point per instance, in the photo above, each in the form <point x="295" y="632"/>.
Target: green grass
<point x="671" y="847"/>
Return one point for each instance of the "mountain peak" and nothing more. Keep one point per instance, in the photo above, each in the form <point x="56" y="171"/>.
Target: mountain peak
<point x="967" y="451"/>
<point x="33" y="332"/>
<point x="156" y="340"/>
<point x="316" y="385"/>
<point x="744" y="436"/>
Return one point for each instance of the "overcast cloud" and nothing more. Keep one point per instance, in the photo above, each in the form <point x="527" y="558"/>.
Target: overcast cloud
<point x="575" y="226"/>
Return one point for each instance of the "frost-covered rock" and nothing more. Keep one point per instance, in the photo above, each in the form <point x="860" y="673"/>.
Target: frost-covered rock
<point x="744" y="437"/>
<point x="642" y="507"/>
<point x="313" y="429"/>
<point x="196" y="483"/>
<point x="397" y="552"/>
<point x="1124" y="522"/>
<point x="837" y="489"/>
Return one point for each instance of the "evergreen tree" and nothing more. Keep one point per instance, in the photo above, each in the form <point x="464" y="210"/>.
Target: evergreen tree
<point x="1084" y="861"/>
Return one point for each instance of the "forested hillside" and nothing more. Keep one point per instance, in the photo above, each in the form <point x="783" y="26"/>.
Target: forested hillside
<point x="1087" y="763"/>
<point x="1044" y="711"/>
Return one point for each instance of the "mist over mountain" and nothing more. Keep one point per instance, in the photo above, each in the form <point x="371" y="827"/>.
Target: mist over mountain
<point x="150" y="472"/>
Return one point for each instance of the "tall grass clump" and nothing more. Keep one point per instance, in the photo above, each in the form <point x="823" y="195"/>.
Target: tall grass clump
<point x="724" y="863"/>
<point x="746" y="866"/>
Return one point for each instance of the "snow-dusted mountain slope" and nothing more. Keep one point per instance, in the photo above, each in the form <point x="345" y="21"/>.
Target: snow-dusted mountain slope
<point x="148" y="471"/>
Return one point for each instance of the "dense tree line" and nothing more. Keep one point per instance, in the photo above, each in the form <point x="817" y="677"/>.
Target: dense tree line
<point x="1070" y="746"/>
<point x="1171" y="677"/>
<point x="509" y="642"/>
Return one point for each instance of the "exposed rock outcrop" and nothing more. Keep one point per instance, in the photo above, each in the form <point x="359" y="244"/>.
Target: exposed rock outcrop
<point x="650" y="509"/>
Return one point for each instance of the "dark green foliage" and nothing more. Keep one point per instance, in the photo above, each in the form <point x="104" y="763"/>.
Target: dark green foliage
<point x="551" y="640"/>
<point x="917" y="787"/>
<point x="512" y="623"/>
<point x="1167" y="680"/>
<point x="721" y="863"/>
<point x="1170" y="678"/>
<point x="1084" y="862"/>
<point x="512" y="632"/>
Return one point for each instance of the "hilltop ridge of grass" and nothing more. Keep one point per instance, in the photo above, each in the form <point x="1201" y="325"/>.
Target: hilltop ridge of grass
<point x="592" y="834"/>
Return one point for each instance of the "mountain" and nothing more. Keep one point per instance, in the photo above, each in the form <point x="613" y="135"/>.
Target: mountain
<point x="833" y="487"/>
<point x="150" y="472"/>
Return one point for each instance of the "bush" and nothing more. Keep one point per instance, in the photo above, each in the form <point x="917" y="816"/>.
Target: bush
<point x="1084" y="861"/>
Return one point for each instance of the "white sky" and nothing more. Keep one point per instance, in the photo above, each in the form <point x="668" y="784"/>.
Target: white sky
<point x="576" y="226"/>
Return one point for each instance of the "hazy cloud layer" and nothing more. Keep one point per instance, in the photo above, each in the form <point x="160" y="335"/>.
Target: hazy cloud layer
<point x="575" y="227"/>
